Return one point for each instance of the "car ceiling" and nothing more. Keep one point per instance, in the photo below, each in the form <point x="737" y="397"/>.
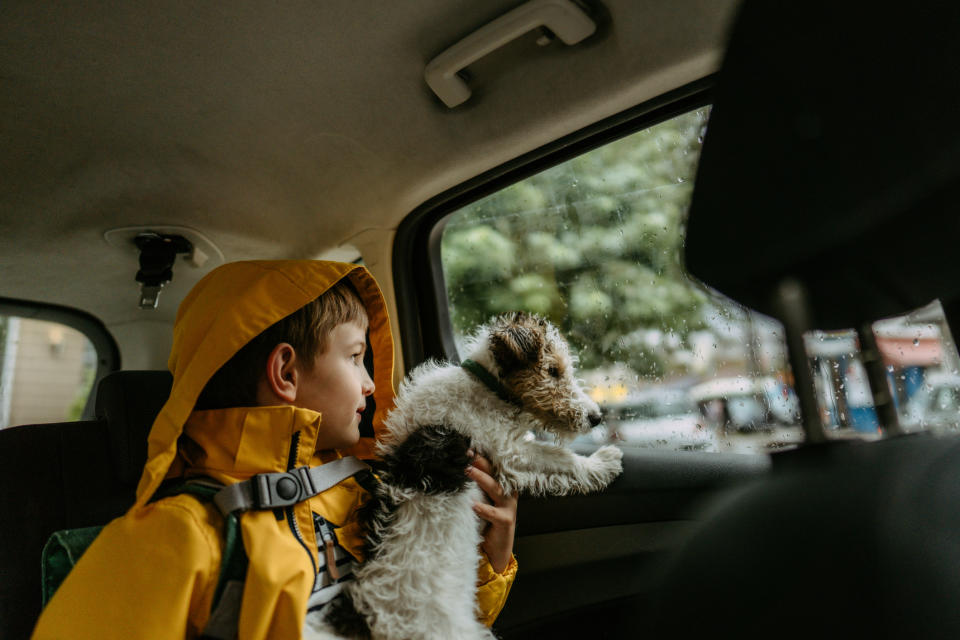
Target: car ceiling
<point x="281" y="130"/>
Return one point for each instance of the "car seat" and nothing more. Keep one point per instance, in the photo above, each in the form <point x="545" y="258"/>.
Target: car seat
<point x="68" y="475"/>
<point x="831" y="161"/>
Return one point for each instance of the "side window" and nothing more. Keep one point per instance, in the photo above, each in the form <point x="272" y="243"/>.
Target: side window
<point x="921" y="365"/>
<point x="47" y="371"/>
<point x="595" y="245"/>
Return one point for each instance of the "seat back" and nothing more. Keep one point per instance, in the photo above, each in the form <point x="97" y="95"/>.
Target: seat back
<point x="68" y="475"/>
<point x="833" y="161"/>
<point x="129" y="401"/>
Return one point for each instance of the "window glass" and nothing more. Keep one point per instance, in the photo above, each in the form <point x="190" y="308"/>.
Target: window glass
<point x="47" y="371"/>
<point x="842" y="386"/>
<point x="594" y="245"/>
<point x="921" y="365"/>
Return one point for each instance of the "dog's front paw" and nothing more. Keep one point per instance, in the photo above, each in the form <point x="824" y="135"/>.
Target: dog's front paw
<point x="607" y="462"/>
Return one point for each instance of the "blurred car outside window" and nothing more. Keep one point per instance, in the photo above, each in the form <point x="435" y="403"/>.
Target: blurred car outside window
<point x="47" y="371"/>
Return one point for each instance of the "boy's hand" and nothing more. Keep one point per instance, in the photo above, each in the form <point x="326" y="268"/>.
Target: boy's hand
<point x="500" y="514"/>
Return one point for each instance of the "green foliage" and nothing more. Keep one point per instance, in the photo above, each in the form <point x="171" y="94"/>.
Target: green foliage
<point x="593" y="244"/>
<point x="75" y="410"/>
<point x="3" y="343"/>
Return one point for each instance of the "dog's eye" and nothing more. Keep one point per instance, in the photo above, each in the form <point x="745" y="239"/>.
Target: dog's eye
<point x="554" y="371"/>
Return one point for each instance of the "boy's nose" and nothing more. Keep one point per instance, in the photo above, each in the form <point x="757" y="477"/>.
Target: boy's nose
<point x="368" y="386"/>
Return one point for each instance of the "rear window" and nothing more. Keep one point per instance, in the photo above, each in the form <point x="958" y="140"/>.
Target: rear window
<point x="48" y="370"/>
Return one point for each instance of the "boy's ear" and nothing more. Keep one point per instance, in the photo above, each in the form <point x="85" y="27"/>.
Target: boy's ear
<point x="281" y="376"/>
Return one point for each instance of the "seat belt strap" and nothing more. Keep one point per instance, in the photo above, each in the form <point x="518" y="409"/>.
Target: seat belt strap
<point x="275" y="490"/>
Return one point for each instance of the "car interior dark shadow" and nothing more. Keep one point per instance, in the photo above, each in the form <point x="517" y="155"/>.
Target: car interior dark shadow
<point x="831" y="163"/>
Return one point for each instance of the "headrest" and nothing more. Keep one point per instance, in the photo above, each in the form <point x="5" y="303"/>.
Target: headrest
<point x="129" y="401"/>
<point x="832" y="155"/>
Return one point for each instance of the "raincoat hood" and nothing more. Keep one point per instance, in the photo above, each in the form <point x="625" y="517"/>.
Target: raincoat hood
<point x="223" y="312"/>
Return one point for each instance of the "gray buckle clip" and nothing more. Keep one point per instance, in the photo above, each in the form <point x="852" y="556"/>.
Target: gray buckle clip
<point x="274" y="490"/>
<point x="282" y="489"/>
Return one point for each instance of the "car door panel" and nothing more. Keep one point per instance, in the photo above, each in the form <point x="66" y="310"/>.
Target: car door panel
<point x="605" y="552"/>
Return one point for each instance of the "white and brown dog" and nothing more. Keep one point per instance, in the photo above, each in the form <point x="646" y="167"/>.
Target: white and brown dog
<point x="419" y="580"/>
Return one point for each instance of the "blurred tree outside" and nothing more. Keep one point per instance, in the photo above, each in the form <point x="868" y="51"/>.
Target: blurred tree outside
<point x="595" y="245"/>
<point x="3" y="337"/>
<point x="79" y="402"/>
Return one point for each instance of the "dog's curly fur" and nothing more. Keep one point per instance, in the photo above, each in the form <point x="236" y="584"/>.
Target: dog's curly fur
<point x="419" y="579"/>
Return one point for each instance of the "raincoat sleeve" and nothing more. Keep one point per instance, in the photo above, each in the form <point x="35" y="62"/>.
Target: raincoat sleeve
<point x="493" y="589"/>
<point x="149" y="575"/>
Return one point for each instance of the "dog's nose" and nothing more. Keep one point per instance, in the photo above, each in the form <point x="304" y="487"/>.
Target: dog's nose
<point x="595" y="419"/>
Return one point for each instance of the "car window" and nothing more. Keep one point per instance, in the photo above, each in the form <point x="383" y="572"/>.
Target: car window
<point x="595" y="245"/>
<point x="47" y="371"/>
<point x="921" y="366"/>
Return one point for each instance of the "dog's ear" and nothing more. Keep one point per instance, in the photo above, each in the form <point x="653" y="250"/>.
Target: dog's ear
<point x="515" y="347"/>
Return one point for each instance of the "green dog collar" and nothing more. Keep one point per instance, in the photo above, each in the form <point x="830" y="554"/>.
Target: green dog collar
<point x="489" y="380"/>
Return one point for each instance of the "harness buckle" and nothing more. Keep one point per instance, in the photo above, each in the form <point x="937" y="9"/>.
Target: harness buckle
<point x="273" y="490"/>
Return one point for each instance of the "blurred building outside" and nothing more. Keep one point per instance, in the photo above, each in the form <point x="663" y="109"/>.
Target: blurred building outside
<point x="46" y="372"/>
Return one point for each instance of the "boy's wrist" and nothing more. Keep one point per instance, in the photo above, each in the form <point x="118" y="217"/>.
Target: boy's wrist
<point x="508" y="566"/>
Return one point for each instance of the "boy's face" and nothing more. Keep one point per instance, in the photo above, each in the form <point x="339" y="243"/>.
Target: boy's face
<point x="338" y="386"/>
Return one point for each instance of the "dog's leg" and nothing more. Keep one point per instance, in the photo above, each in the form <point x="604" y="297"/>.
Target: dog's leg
<point x="546" y="469"/>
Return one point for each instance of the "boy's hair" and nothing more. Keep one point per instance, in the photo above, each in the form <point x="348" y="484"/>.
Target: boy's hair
<point x="306" y="330"/>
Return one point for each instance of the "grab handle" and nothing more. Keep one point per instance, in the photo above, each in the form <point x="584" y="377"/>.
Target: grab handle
<point x="563" y="17"/>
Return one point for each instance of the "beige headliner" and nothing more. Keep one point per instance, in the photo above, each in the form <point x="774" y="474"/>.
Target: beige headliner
<point x="278" y="129"/>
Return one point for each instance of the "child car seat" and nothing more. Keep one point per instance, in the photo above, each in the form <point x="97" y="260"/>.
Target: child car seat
<point x="68" y="475"/>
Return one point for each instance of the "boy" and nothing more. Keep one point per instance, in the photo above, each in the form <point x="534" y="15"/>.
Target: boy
<point x="268" y="375"/>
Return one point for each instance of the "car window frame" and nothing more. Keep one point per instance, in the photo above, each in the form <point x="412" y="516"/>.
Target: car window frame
<point x="422" y="306"/>
<point x="105" y="346"/>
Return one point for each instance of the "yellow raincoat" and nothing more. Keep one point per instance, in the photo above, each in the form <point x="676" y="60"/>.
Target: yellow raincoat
<point x="152" y="572"/>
